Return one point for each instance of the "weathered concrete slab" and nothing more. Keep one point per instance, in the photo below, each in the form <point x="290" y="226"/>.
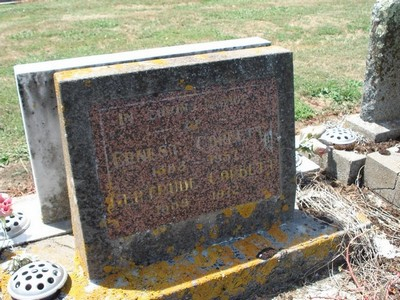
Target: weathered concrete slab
<point x="382" y="173"/>
<point x="378" y="132"/>
<point x="40" y="116"/>
<point x="229" y="270"/>
<point x="29" y="205"/>
<point x="305" y="166"/>
<point x="166" y="155"/>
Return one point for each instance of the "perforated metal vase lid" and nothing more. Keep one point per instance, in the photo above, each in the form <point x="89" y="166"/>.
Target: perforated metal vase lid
<point x="37" y="280"/>
<point x="338" y="136"/>
<point x="16" y="224"/>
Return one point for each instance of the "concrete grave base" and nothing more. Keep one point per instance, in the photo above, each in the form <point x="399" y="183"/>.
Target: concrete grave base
<point x="29" y="205"/>
<point x="306" y="166"/>
<point x="228" y="270"/>
<point x="377" y="132"/>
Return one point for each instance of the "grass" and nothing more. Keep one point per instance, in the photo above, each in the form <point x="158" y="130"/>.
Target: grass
<point x="329" y="39"/>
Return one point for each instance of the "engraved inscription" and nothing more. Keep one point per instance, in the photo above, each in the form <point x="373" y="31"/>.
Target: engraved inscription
<point x="169" y="157"/>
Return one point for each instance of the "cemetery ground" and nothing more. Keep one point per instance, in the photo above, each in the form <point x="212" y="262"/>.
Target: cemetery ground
<point x="329" y="42"/>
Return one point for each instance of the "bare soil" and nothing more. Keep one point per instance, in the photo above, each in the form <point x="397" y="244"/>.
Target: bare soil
<point x="16" y="179"/>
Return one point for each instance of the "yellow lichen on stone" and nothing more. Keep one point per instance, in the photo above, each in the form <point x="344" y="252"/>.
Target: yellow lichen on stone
<point x="228" y="212"/>
<point x="214" y="231"/>
<point x="87" y="83"/>
<point x="277" y="233"/>
<point x="108" y="269"/>
<point x="252" y="245"/>
<point x="4" y="278"/>
<point x="199" y="226"/>
<point x="282" y="197"/>
<point x="266" y="269"/>
<point x="189" y="87"/>
<point x="285" y="208"/>
<point x="159" y="230"/>
<point x="170" y="249"/>
<point x="202" y="56"/>
<point x="161" y="62"/>
<point x="71" y="74"/>
<point x="245" y="210"/>
<point x="320" y="247"/>
<point x="201" y="241"/>
<point x="237" y="230"/>
<point x="267" y="194"/>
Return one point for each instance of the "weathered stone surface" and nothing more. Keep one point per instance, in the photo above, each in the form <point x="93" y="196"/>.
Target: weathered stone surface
<point x="381" y="99"/>
<point x="169" y="154"/>
<point x="382" y="174"/>
<point x="41" y="123"/>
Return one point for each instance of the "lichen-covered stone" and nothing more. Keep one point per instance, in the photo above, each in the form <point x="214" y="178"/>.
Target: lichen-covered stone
<point x="167" y="155"/>
<point x="381" y="99"/>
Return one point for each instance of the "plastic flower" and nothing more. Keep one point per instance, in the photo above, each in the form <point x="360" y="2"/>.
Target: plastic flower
<point x="318" y="147"/>
<point x="5" y="205"/>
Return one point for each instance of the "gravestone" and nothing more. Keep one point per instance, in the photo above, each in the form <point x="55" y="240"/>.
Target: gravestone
<point x="40" y="117"/>
<point x="380" y="110"/>
<point x="379" y="119"/>
<point x="166" y="155"/>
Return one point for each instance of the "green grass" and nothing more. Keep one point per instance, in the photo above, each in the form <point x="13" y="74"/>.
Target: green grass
<point x="329" y="39"/>
<point x="348" y="91"/>
<point x="303" y="110"/>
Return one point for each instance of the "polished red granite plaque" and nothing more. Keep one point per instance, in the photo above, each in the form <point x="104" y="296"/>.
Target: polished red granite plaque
<point x="165" y="158"/>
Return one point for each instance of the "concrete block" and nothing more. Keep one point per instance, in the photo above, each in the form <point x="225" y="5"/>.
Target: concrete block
<point x="381" y="175"/>
<point x="344" y="165"/>
<point x="340" y="164"/>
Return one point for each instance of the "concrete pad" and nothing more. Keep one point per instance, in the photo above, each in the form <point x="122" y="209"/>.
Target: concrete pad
<point x="381" y="175"/>
<point x="377" y="132"/>
<point x="29" y="205"/>
<point x="228" y="270"/>
<point x="305" y="166"/>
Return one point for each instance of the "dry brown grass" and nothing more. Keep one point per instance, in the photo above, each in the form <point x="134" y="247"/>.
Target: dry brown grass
<point x="375" y="274"/>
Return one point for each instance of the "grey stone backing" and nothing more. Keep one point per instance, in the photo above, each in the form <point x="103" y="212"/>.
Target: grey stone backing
<point x="381" y="99"/>
<point x="40" y="116"/>
<point x="80" y="92"/>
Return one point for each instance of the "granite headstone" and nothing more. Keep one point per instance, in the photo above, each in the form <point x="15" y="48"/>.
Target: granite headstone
<point x="40" y="116"/>
<point x="168" y="154"/>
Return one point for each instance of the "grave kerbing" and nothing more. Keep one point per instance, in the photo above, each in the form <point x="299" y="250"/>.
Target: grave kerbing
<point x="166" y="155"/>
